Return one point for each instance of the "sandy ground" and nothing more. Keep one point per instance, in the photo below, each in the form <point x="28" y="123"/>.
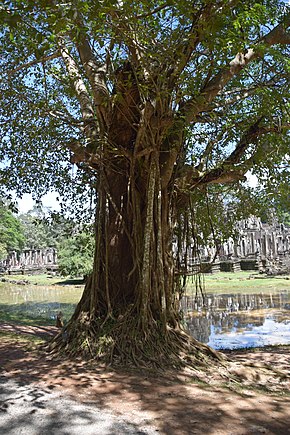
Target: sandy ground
<point x="251" y="396"/>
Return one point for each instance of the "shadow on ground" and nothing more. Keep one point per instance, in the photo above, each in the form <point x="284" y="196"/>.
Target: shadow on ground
<point x="175" y="405"/>
<point x="28" y="409"/>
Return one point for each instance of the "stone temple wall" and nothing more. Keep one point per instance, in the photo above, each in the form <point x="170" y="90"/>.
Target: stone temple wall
<point x="256" y="239"/>
<point x="31" y="260"/>
<point x="258" y="246"/>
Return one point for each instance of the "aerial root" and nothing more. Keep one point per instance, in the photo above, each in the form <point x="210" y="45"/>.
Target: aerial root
<point x="121" y="343"/>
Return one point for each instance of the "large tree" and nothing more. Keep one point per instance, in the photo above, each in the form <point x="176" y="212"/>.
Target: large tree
<point x="156" y="102"/>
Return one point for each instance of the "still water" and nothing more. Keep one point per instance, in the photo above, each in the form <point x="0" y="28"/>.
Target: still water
<point x="230" y="321"/>
<point x="225" y="320"/>
<point x="37" y="304"/>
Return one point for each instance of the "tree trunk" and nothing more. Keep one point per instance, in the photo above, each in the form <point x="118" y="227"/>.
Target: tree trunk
<point x="129" y="312"/>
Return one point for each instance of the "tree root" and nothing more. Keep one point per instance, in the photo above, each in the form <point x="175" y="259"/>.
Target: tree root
<point x="122" y="342"/>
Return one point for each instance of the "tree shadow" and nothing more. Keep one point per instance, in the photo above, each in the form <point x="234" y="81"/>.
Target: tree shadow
<point x="71" y="281"/>
<point x="175" y="405"/>
<point x="35" y="312"/>
<point x="29" y="409"/>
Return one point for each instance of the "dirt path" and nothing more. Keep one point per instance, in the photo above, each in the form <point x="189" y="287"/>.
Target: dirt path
<point x="184" y="404"/>
<point x="33" y="410"/>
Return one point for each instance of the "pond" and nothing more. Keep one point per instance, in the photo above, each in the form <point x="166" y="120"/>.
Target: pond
<point x="234" y="314"/>
<point x="231" y="320"/>
<point x="35" y="304"/>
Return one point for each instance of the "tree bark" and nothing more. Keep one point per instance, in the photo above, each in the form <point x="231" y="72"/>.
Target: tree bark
<point x="129" y="312"/>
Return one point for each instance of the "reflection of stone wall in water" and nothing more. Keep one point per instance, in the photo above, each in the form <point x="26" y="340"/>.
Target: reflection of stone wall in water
<point x="258" y="246"/>
<point x="229" y="312"/>
<point x="31" y="259"/>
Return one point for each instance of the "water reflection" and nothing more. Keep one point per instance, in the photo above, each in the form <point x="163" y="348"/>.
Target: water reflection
<point x="224" y="321"/>
<point x="41" y="303"/>
<point x="228" y="321"/>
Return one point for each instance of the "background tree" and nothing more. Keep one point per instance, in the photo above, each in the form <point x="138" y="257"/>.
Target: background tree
<point x="11" y="232"/>
<point x="43" y="229"/>
<point x="76" y="253"/>
<point x="155" y="102"/>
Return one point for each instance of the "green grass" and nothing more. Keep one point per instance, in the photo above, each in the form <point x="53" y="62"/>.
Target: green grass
<point x="241" y="282"/>
<point x="29" y="341"/>
<point x="44" y="279"/>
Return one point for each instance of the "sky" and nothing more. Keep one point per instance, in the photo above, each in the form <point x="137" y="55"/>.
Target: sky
<point x="26" y="203"/>
<point x="252" y="179"/>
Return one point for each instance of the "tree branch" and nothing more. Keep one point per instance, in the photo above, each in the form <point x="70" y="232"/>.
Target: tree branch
<point x="67" y="118"/>
<point x="83" y="96"/>
<point x="198" y="104"/>
<point x="95" y="71"/>
<point x="208" y="150"/>
<point x="184" y="51"/>
<point x="230" y="170"/>
<point x="96" y="76"/>
<point x="35" y="62"/>
<point x="154" y="11"/>
<point x="81" y="154"/>
<point x="123" y="27"/>
<point x="250" y="136"/>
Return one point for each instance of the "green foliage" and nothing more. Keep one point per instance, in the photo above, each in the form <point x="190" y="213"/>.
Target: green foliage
<point x="3" y="252"/>
<point x="42" y="230"/>
<point x="75" y="254"/>
<point x="285" y="218"/>
<point x="41" y="115"/>
<point x="218" y="209"/>
<point x="12" y="236"/>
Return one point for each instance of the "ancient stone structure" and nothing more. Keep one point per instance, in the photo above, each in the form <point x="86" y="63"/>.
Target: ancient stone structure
<point x="258" y="246"/>
<point x="31" y="260"/>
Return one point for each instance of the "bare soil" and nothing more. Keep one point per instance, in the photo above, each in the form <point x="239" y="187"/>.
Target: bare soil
<point x="250" y="394"/>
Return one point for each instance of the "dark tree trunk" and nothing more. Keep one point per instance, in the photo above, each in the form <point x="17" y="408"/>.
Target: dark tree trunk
<point x="129" y="311"/>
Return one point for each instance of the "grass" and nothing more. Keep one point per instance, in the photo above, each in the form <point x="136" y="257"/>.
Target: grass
<point x="27" y="341"/>
<point x="45" y="279"/>
<point x="241" y="282"/>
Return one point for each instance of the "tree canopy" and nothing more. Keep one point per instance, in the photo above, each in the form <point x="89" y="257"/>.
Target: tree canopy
<point x="11" y="232"/>
<point x="157" y="104"/>
<point x="223" y="68"/>
<point x="44" y="229"/>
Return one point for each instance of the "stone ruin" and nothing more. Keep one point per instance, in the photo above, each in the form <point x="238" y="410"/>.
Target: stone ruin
<point x="257" y="246"/>
<point x="31" y="260"/>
